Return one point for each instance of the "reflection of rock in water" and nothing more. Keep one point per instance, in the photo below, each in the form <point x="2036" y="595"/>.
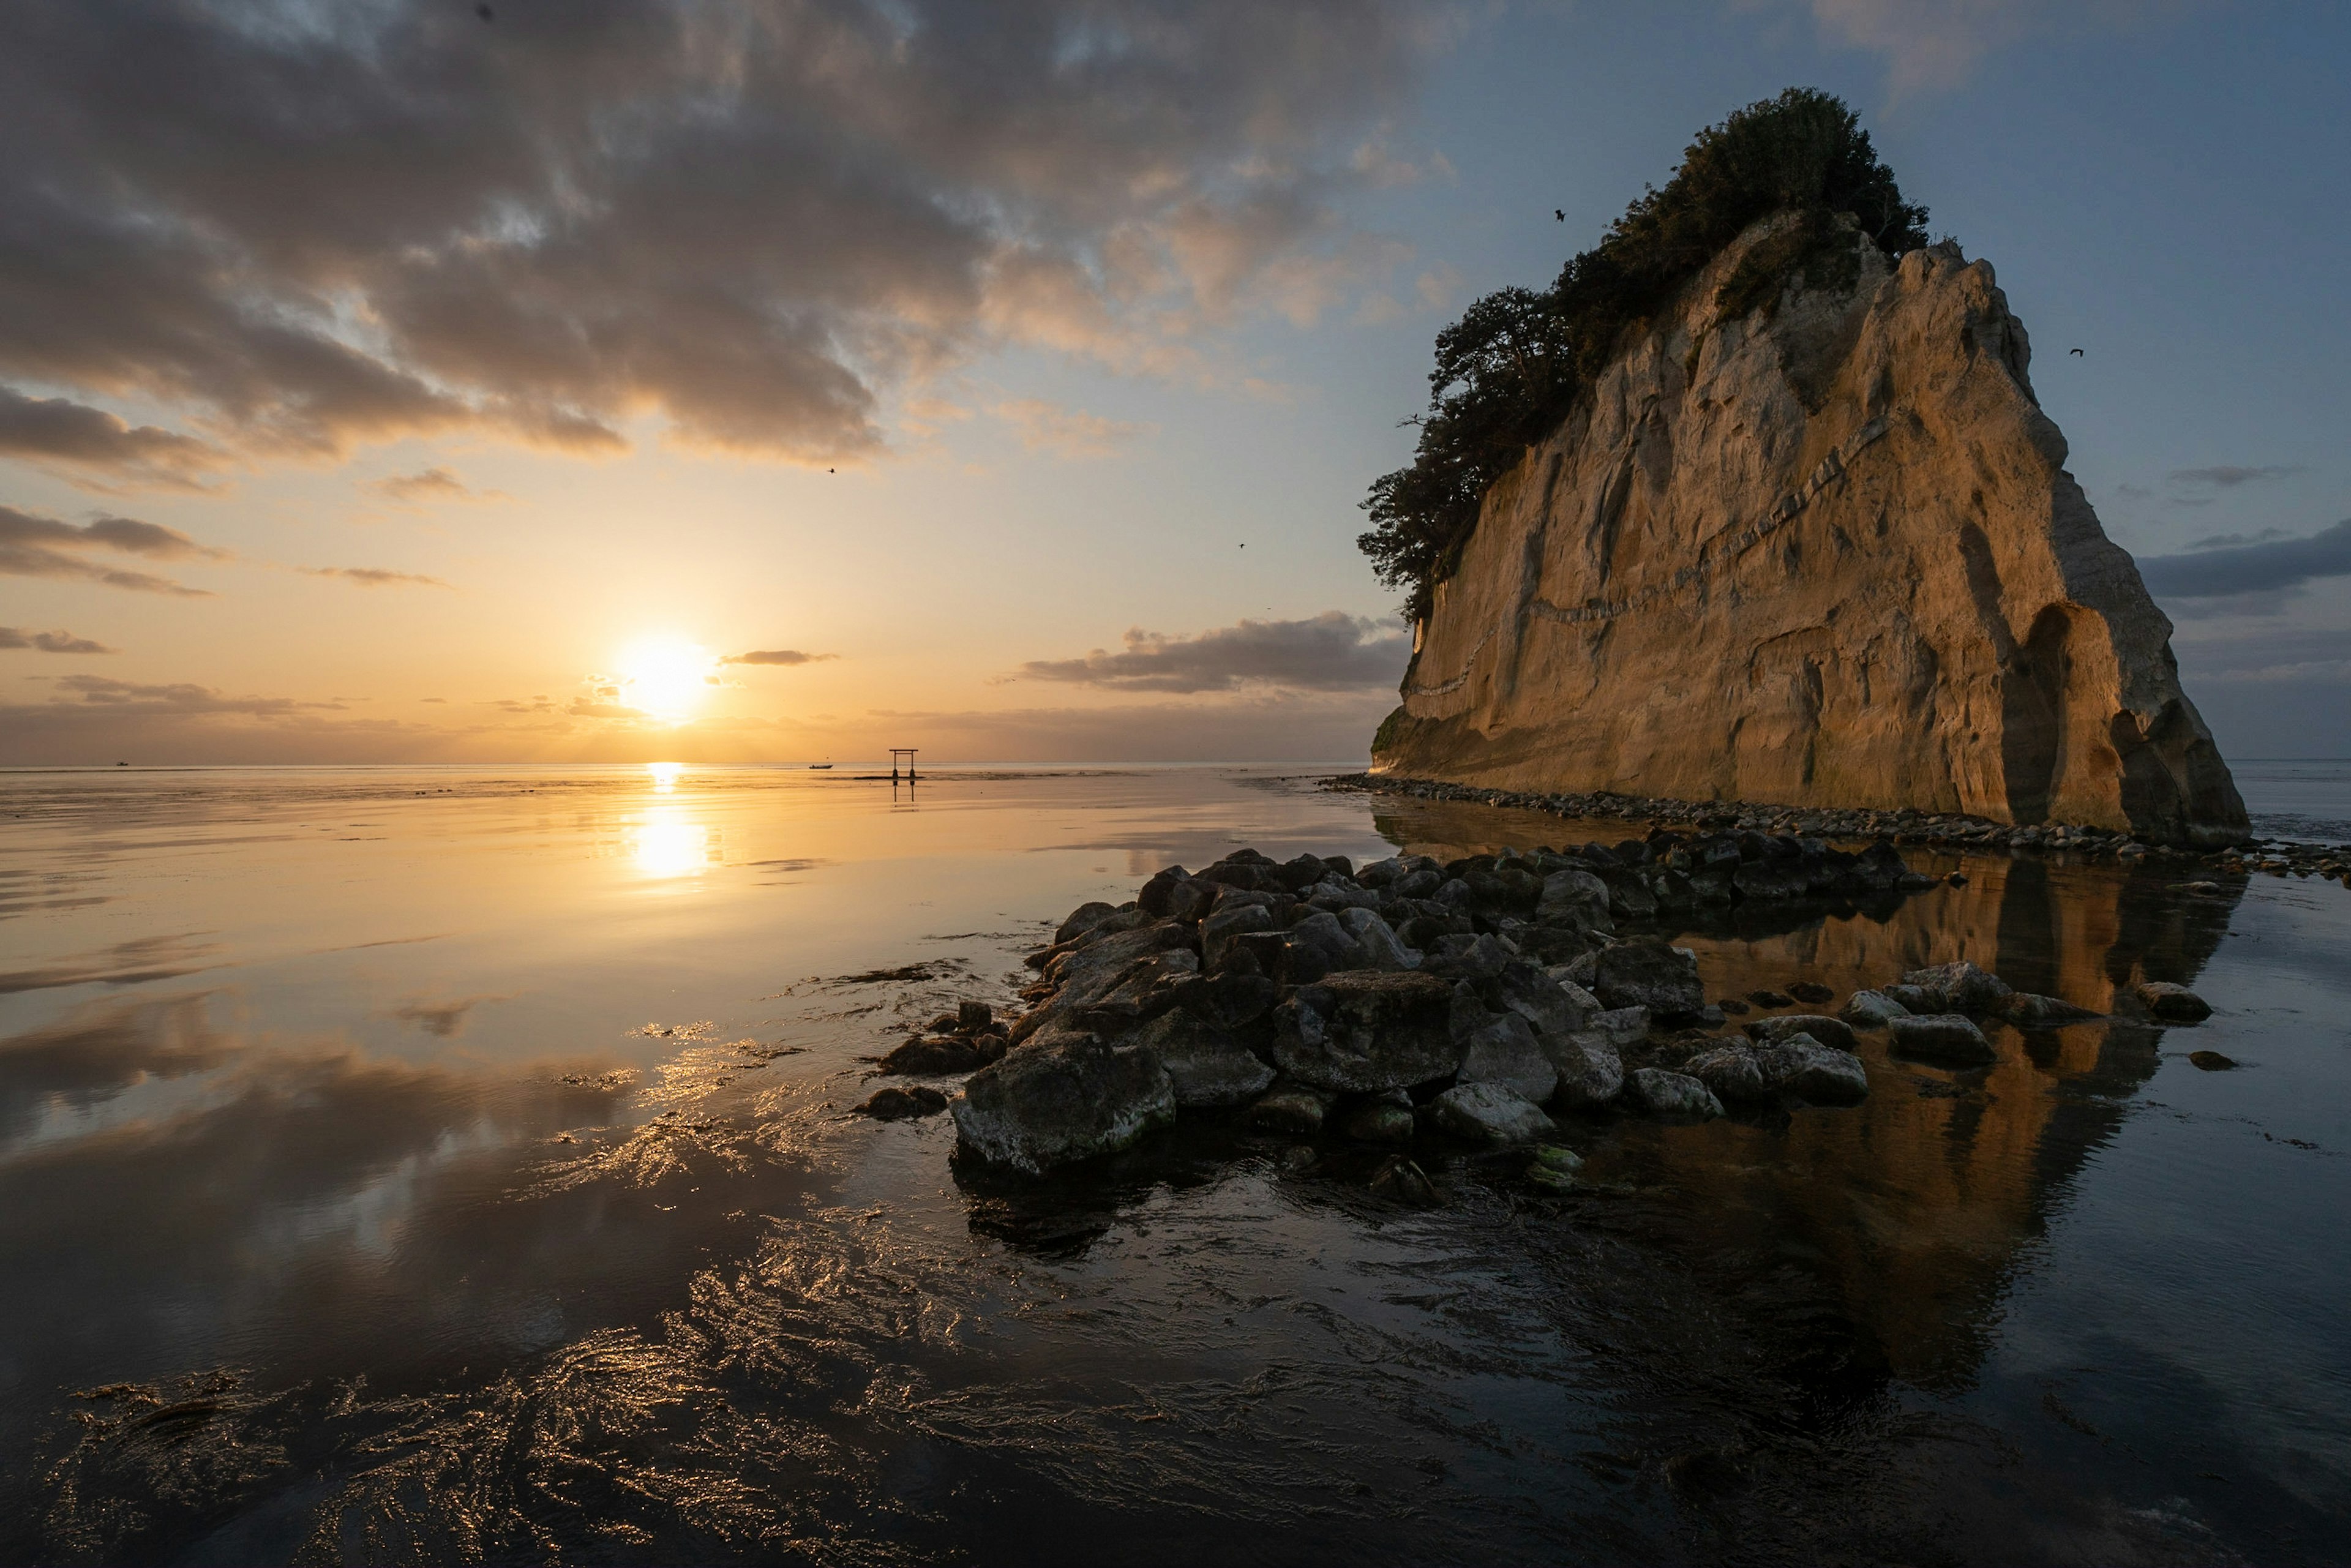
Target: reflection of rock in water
<point x="1911" y="1209"/>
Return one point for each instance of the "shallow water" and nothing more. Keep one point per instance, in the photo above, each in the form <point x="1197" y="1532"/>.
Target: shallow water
<point x="418" y="1164"/>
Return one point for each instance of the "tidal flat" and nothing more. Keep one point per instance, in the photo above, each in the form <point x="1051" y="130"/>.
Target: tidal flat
<point x="439" y="1164"/>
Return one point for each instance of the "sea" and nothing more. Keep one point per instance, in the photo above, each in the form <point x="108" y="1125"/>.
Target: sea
<point x="458" y="1164"/>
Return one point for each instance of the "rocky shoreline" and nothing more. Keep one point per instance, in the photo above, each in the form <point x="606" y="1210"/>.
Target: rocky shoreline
<point x="2277" y="857"/>
<point x="1471" y="1003"/>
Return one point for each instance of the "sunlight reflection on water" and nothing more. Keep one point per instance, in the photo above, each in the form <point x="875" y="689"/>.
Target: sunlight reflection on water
<point x="624" y="1282"/>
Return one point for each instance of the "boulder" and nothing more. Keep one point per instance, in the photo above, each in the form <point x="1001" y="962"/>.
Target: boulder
<point x="2171" y="1003"/>
<point x="1322" y="935"/>
<point x="1145" y="988"/>
<point x="1575" y="897"/>
<point x="2027" y="1010"/>
<point x="1082" y="919"/>
<point x="1490" y="1114"/>
<point x="1065" y="1095"/>
<point x="1801" y="1066"/>
<point x="1942" y="1037"/>
<point x="895" y="1105"/>
<point x="1731" y="1072"/>
<point x="1382" y="1119"/>
<point x="1823" y="1030"/>
<point x="1871" y="1009"/>
<point x="1477" y="957"/>
<point x="1376" y="942"/>
<point x="934" y="1054"/>
<point x="1811" y="991"/>
<point x="1366" y="1030"/>
<point x="1554" y="1168"/>
<point x="1206" y="1066"/>
<point x="1226" y="922"/>
<point x="1157" y="896"/>
<point x="973" y="1017"/>
<point x="1552" y="1007"/>
<point x="1707" y="605"/>
<point x="1289" y="1107"/>
<point x="1962" y="988"/>
<point x="1912" y="999"/>
<point x="1590" y="1071"/>
<point x="1621" y="1026"/>
<point x="1663" y="1093"/>
<point x="1647" y="973"/>
<point x="1500" y="1048"/>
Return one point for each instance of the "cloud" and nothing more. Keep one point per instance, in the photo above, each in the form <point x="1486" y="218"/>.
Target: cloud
<point x="428" y="485"/>
<point x="777" y="656"/>
<point x="179" y="697"/>
<point x="2226" y="541"/>
<point x="99" y="451"/>
<point x="2226" y="477"/>
<point x="1329" y="651"/>
<point x="374" y="577"/>
<point x="309" y="228"/>
<point x="1065" y="432"/>
<point x="50" y="641"/>
<point x="1931" y="45"/>
<point x="584" y="708"/>
<point x="2264" y="568"/>
<point x="35" y="546"/>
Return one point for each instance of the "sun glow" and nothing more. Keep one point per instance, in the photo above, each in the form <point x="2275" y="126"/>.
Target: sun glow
<point x="666" y="678"/>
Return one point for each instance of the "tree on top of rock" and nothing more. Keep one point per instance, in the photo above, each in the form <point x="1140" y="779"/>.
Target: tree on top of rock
<point x="1509" y="370"/>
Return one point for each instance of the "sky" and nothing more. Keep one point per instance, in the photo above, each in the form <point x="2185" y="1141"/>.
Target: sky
<point x="571" y="381"/>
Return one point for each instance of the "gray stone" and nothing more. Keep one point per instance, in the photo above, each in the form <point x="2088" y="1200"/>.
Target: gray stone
<point x="1577" y="898"/>
<point x="1323" y="932"/>
<point x="1365" y="1031"/>
<point x="1912" y="999"/>
<point x="1621" y="1026"/>
<point x="1647" y="973"/>
<point x="1501" y="1048"/>
<point x="1823" y="1030"/>
<point x="1065" y="1095"/>
<point x="1942" y="1037"/>
<point x="1730" y="1071"/>
<point x="1871" y="1009"/>
<point x="1801" y="1065"/>
<point x="2026" y="1010"/>
<point x="895" y="1105"/>
<point x="1218" y="931"/>
<point x="1962" y="988"/>
<point x="1478" y="957"/>
<point x="1144" y="990"/>
<point x="2172" y="1003"/>
<point x="1082" y="919"/>
<point x="1207" y="1066"/>
<point x="1554" y="1168"/>
<point x="1376" y="941"/>
<point x="1289" y="1107"/>
<point x="1490" y="1114"/>
<point x="1663" y="1093"/>
<point x="1551" y="1006"/>
<point x="1590" y="1071"/>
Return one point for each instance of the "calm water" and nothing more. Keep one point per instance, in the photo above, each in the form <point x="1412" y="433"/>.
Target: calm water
<point x="415" y="1165"/>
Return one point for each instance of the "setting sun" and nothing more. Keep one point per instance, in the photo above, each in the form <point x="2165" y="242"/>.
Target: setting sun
<point x="666" y="678"/>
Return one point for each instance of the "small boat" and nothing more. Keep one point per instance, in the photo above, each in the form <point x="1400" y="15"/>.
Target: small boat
<point x="817" y="767"/>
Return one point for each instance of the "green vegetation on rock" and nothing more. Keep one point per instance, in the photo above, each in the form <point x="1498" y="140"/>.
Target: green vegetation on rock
<point x="1511" y="369"/>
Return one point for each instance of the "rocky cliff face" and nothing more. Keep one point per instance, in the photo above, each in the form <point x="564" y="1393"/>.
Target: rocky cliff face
<point x="1827" y="555"/>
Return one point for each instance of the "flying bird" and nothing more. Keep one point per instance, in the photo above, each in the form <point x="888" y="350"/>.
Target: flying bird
<point x="1560" y="213"/>
<point x="2077" y="353"/>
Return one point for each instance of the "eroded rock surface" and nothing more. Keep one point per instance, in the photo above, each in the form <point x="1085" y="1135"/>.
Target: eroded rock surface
<point x="1824" y="556"/>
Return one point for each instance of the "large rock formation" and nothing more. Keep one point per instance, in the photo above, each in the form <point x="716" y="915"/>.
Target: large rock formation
<point x="1823" y="555"/>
